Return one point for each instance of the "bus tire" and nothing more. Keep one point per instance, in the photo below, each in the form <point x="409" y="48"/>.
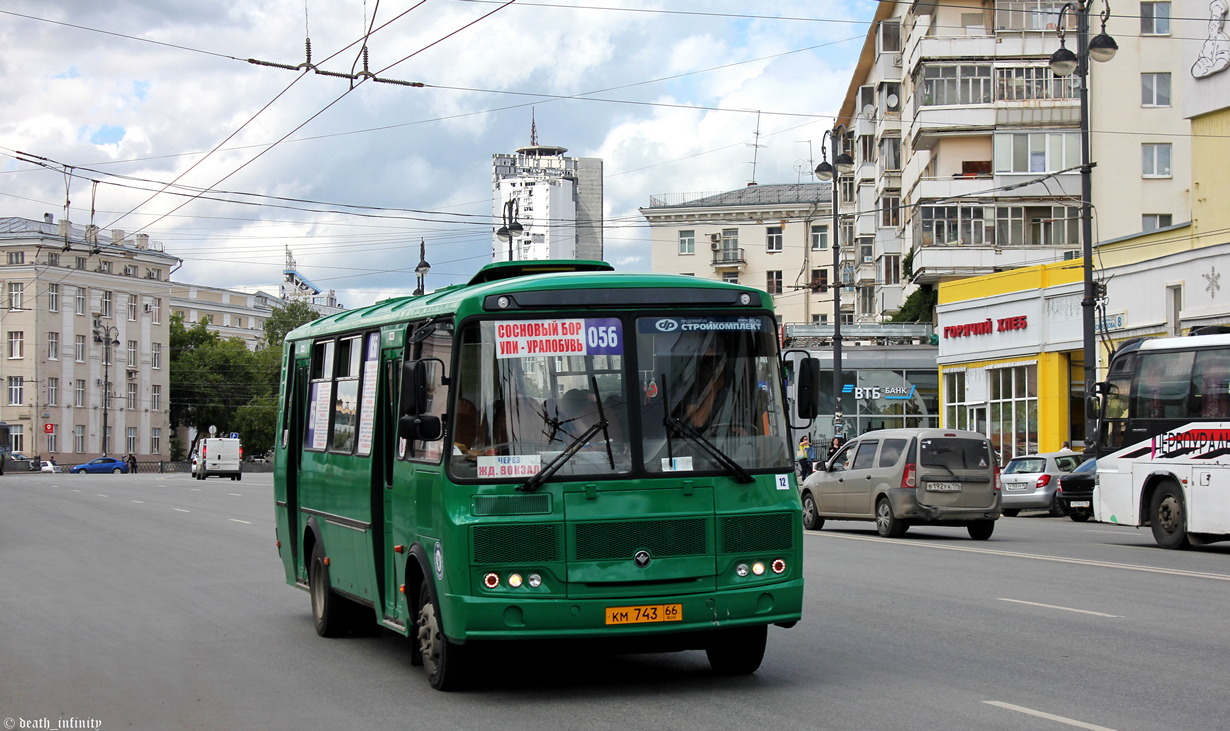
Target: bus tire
<point x="1168" y="516"/>
<point x="811" y="514"/>
<point x="443" y="661"/>
<point x="737" y="651"/>
<point x="328" y="609"/>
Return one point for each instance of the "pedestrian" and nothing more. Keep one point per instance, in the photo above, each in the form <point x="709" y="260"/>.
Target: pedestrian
<point x="132" y="463"/>
<point x="1066" y="447"/>
<point x="804" y="455"/>
<point x="834" y="445"/>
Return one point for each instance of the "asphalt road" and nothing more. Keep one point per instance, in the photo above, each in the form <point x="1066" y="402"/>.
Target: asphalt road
<point x="158" y="602"/>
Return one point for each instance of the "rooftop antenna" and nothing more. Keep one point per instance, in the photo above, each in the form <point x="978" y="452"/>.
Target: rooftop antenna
<point x="533" y="129"/>
<point x="755" y="148"/>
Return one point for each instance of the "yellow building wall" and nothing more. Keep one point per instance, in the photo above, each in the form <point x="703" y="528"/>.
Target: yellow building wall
<point x="1016" y="280"/>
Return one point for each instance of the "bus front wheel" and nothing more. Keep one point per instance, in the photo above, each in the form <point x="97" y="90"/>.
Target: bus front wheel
<point x="1168" y="516"/>
<point x="737" y="651"/>
<point x="328" y="610"/>
<point x="442" y="660"/>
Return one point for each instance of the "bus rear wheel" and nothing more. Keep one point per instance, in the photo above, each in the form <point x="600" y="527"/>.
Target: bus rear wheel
<point x="737" y="651"/>
<point x="442" y="660"/>
<point x="1168" y="516"/>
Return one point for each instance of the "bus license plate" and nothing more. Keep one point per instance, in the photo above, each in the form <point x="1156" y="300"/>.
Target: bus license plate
<point x="1080" y="503"/>
<point x="944" y="486"/>
<point x="644" y="613"/>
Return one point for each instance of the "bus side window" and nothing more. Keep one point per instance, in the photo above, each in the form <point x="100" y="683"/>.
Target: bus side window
<point x="1211" y="384"/>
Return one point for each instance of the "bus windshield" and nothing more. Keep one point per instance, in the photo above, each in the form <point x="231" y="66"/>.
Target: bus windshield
<point x="704" y="397"/>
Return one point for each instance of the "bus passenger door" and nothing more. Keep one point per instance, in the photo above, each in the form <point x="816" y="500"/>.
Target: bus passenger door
<point x="289" y="460"/>
<point x="394" y="474"/>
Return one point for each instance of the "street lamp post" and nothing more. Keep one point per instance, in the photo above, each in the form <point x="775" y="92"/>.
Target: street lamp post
<point x="1063" y="62"/>
<point x="422" y="269"/>
<point x="844" y="165"/>
<point x="511" y="228"/>
<point x="108" y="336"/>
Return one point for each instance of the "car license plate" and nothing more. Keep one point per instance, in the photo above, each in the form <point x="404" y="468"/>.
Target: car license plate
<point x="1079" y="503"/>
<point x="944" y="486"/>
<point x="1015" y="488"/>
<point x="644" y="613"/>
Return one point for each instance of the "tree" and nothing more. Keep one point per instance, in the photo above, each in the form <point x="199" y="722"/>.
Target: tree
<point x="285" y="318"/>
<point x="212" y="378"/>
<point x="919" y="306"/>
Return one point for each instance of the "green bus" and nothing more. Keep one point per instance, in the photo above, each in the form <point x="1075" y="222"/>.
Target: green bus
<point x="549" y="451"/>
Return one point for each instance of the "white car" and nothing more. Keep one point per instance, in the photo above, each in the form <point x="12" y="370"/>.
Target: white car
<point x="46" y="466"/>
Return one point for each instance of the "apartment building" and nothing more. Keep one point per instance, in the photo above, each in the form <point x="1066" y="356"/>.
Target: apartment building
<point x="86" y="364"/>
<point x="230" y="313"/>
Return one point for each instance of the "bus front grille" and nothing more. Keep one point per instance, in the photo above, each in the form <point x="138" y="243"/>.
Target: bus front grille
<point x="621" y="539"/>
<point x="528" y="543"/>
<point x="756" y="533"/>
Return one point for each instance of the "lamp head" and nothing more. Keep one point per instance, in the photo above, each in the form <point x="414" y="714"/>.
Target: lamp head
<point x="824" y="171"/>
<point x="1102" y="47"/>
<point x="845" y="164"/>
<point x="1063" y="62"/>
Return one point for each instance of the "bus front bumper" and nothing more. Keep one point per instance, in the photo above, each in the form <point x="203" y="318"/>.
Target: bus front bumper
<point x="508" y="618"/>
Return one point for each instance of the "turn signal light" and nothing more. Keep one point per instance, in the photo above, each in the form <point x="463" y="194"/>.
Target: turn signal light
<point x="909" y="476"/>
<point x="778" y="566"/>
<point x="491" y="581"/>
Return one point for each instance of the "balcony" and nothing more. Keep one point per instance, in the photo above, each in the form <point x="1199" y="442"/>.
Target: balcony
<point x="934" y="264"/>
<point x="930" y="123"/>
<point x="729" y="259"/>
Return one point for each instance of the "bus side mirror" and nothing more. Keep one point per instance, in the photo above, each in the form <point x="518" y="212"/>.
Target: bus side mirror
<point x="1093" y="407"/>
<point x="414" y="377"/>
<point x="807" y="390"/>
<point x="424" y="427"/>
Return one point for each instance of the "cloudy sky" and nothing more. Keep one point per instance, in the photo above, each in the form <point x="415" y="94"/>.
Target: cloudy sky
<point x="168" y="129"/>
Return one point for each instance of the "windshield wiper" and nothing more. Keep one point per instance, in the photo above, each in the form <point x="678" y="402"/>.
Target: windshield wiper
<point x="535" y="481"/>
<point x="741" y="475"/>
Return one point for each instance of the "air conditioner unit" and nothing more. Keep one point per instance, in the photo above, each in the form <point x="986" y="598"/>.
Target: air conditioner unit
<point x="897" y="60"/>
<point x="149" y="308"/>
<point x="715" y="241"/>
<point x="868" y="259"/>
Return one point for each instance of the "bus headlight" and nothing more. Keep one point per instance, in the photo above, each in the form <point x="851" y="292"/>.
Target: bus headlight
<point x="758" y="568"/>
<point x="514" y="580"/>
<point x="534" y="581"/>
<point x="741" y="570"/>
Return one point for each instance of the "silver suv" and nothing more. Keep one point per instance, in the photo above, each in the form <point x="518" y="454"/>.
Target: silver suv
<point x="903" y="477"/>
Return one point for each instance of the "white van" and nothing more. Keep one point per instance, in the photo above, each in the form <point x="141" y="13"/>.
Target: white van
<point x="218" y="457"/>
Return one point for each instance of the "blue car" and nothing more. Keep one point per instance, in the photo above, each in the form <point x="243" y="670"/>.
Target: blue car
<point x="101" y="465"/>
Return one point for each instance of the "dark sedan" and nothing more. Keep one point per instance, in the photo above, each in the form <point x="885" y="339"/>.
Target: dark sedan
<point x="101" y="465"/>
<point x="1076" y="491"/>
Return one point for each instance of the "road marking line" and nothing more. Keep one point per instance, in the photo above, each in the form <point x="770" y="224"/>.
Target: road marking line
<point x="237" y="520"/>
<point x="1066" y="609"/>
<point x="1034" y="556"/>
<point x="195" y="489"/>
<point x="139" y="502"/>
<point x="1048" y="716"/>
<point x="181" y="510"/>
<point x="236" y="494"/>
<point x="75" y="490"/>
<point x="102" y="495"/>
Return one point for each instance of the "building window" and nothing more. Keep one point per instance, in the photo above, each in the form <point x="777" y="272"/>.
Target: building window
<point x="79" y="301"/>
<point x="819" y="238"/>
<point x="890" y="94"/>
<point x="847" y="189"/>
<point x="79" y="438"/>
<point x="1155" y="19"/>
<point x="53" y="346"/>
<point x="773" y="282"/>
<point x="1013" y="410"/>
<point x="1029" y="15"/>
<point x="730" y="277"/>
<point x="1037" y="152"/>
<point x="53" y="298"/>
<point x="819" y="280"/>
<point x="866" y="250"/>
<point x="956" y="415"/>
<point x="53" y="442"/>
<point x="16" y="294"/>
<point x="132" y="353"/>
<point x="79" y="392"/>
<point x="773" y="239"/>
<point x="17" y="437"/>
<point x="130" y="440"/>
<point x="890" y="269"/>
<point x="965" y="225"/>
<point x="890" y="153"/>
<point x="132" y="308"/>
<point x="79" y="348"/>
<point x="687" y="242"/>
<point x="890" y="36"/>
<point x="105" y="304"/>
<point x="80" y="262"/>
<point x="819" y="319"/>
<point x="155" y="309"/>
<point x="1155" y="159"/>
<point x="1155" y="90"/>
<point x="53" y="391"/>
<point x="17" y="257"/>
<point x="1037" y="225"/>
<point x="950" y="84"/>
<point x="1029" y="83"/>
<point x="890" y="211"/>
<point x="131" y="397"/>
<point x="17" y="344"/>
<point x="17" y="391"/>
<point x="155" y="440"/>
<point x="155" y="355"/>
<point x="53" y="260"/>
<point x="1154" y="221"/>
<point x="155" y="397"/>
<point x="866" y="300"/>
